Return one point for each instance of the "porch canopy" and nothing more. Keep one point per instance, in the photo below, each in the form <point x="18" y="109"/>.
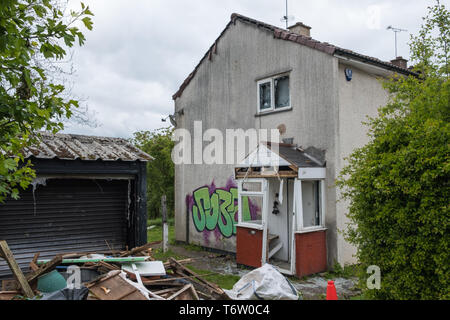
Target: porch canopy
<point x="282" y="160"/>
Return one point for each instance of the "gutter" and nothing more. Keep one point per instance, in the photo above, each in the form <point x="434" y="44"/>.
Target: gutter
<point x="356" y="58"/>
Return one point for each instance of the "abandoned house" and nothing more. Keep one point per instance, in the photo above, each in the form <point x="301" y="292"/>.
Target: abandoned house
<point x="317" y="95"/>
<point x="89" y="195"/>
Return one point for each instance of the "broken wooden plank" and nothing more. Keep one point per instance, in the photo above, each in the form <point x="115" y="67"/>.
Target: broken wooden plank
<point x="10" y="285"/>
<point x="204" y="289"/>
<point x="49" y="266"/>
<point x="114" y="287"/>
<point x="165" y="291"/>
<point x="167" y="264"/>
<point x="181" y="294"/>
<point x="168" y="280"/>
<point x="187" y="271"/>
<point x="8" y="295"/>
<point x="17" y="272"/>
<point x="33" y="265"/>
<point x="204" y="295"/>
<point x="138" y="249"/>
<point x="108" y="265"/>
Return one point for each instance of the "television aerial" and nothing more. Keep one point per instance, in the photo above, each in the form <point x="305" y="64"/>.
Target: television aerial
<point x="286" y="18"/>
<point x="171" y="117"/>
<point x="396" y="30"/>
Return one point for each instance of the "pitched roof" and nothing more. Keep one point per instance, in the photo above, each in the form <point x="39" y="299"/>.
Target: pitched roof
<point x="73" y="146"/>
<point x="284" y="34"/>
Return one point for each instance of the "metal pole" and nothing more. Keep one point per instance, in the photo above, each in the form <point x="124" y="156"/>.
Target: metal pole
<point x="395" y="32"/>
<point x="165" y="231"/>
<point x="287" y="14"/>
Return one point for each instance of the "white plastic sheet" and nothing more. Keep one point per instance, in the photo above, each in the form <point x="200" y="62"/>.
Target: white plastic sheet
<point x="265" y="283"/>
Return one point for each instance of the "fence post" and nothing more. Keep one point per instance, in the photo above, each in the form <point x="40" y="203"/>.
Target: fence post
<point x="165" y="227"/>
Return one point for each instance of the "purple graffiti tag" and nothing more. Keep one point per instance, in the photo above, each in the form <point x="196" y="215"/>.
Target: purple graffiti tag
<point x="190" y="202"/>
<point x="217" y="234"/>
<point x="205" y="235"/>
<point x="212" y="188"/>
<point x="230" y="184"/>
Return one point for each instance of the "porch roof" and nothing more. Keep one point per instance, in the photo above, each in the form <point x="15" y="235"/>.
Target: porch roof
<point x="281" y="154"/>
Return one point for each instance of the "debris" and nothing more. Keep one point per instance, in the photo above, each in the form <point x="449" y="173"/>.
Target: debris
<point x="6" y="254"/>
<point x="87" y="260"/>
<point x="33" y="265"/>
<point x="148" y="268"/>
<point x="264" y="283"/>
<point x="116" y="275"/>
<point x="198" y="280"/>
<point x="10" y="285"/>
<point x="106" y="290"/>
<point x="46" y="267"/>
<point x="9" y="295"/>
<point x="186" y="293"/>
<point x="114" y="287"/>
<point x="51" y="282"/>
<point x="67" y="294"/>
<point x="138" y="249"/>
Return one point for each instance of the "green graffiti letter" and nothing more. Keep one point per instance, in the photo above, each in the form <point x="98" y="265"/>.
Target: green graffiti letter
<point x="246" y="210"/>
<point x="234" y="207"/>
<point x="225" y="227"/>
<point x="203" y="203"/>
<point x="211" y="219"/>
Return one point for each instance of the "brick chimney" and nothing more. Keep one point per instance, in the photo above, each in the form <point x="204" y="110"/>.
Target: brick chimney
<point x="300" y="28"/>
<point x="400" y="62"/>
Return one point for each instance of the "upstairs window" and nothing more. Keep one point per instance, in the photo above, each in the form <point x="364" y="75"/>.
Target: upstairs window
<point x="274" y="93"/>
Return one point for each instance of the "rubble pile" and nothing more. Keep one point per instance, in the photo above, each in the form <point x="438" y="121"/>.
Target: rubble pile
<point x="117" y="275"/>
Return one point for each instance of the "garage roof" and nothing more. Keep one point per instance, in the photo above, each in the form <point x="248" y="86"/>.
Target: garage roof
<point x="73" y="146"/>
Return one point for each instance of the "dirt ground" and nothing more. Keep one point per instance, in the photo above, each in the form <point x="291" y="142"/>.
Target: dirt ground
<point x="311" y="288"/>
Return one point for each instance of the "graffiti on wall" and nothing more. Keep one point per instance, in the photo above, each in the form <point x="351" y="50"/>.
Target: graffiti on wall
<point x="216" y="209"/>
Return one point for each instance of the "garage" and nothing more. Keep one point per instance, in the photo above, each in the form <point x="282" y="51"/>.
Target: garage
<point x="89" y="195"/>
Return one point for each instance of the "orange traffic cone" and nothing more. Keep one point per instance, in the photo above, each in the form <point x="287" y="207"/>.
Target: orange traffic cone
<point x="331" y="291"/>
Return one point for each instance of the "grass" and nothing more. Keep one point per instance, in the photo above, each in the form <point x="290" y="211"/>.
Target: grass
<point x="155" y="234"/>
<point x="158" y="254"/>
<point x="223" y="281"/>
<point x="347" y="272"/>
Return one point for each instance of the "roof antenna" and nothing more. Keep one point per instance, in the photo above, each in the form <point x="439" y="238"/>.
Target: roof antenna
<point x="396" y="30"/>
<point x="286" y="17"/>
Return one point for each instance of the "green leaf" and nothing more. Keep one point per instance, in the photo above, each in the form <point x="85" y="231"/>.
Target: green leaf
<point x="87" y="22"/>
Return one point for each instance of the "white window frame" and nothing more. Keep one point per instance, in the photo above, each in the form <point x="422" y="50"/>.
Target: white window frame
<point x="271" y="80"/>
<point x="262" y="194"/>
<point x="300" y="227"/>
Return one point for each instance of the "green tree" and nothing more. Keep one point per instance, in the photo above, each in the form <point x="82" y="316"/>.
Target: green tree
<point x="160" y="171"/>
<point x="34" y="35"/>
<point x="398" y="184"/>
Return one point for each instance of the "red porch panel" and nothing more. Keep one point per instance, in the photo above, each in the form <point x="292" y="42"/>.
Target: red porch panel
<point x="249" y="246"/>
<point x="311" y="252"/>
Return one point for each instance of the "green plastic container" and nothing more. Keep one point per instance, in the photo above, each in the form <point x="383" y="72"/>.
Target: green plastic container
<point x="51" y="282"/>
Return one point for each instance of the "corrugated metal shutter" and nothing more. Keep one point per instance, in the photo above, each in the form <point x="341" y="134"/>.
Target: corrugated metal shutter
<point x="65" y="215"/>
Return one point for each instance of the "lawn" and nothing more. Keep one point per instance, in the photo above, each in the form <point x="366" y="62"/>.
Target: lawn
<point x="222" y="280"/>
<point x="155" y="233"/>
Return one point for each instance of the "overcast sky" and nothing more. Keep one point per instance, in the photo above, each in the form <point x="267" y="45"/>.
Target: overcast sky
<point x="140" y="51"/>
